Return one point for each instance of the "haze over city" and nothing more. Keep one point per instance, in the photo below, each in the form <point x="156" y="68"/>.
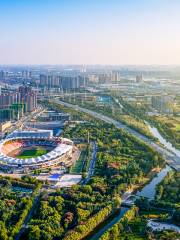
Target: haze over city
<point x="89" y="119"/>
<point x="90" y="32"/>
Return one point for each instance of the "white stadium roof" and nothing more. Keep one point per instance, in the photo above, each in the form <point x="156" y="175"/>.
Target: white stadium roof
<point x="58" y="151"/>
<point x="31" y="134"/>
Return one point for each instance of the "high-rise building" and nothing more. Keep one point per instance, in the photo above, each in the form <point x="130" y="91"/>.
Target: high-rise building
<point x="2" y="75"/>
<point x="64" y="81"/>
<point x="18" y="110"/>
<point x="49" y="81"/>
<point x="14" y="104"/>
<point x="139" y="78"/>
<point x="162" y="103"/>
<point x="30" y="101"/>
<point x="28" y="97"/>
<point x="69" y="82"/>
<point x="25" y="74"/>
<point x="115" y="77"/>
<point x="93" y="78"/>
<point x="6" y="114"/>
<point x="7" y="99"/>
<point x="23" y="90"/>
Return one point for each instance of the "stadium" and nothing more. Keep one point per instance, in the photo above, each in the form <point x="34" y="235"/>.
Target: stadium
<point x="33" y="150"/>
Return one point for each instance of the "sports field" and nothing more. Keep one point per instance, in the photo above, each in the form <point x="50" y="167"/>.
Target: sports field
<point x="32" y="152"/>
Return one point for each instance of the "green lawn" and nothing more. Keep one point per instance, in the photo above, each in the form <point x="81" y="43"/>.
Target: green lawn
<point x="77" y="168"/>
<point x="177" y="127"/>
<point x="34" y="152"/>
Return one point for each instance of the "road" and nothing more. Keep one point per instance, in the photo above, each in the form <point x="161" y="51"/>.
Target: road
<point x="26" y="119"/>
<point x="172" y="159"/>
<point x="161" y="226"/>
<point x="28" y="217"/>
<point x="92" y="163"/>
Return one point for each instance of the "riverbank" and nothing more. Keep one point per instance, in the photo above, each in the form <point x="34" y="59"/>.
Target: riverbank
<point x="163" y="141"/>
<point x="108" y="223"/>
<point x="169" y="128"/>
<point x="138" y="187"/>
<point x="148" y="187"/>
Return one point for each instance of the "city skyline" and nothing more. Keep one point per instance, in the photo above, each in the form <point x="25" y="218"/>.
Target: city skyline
<point x="90" y="32"/>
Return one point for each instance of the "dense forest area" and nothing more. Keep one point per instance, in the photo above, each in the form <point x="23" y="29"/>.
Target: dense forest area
<point x="169" y="189"/>
<point x="16" y="199"/>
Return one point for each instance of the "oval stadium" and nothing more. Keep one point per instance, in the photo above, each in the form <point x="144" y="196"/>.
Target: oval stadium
<point x="33" y="150"/>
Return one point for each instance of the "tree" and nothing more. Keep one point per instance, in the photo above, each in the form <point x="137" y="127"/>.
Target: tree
<point x="143" y="203"/>
<point x="87" y="189"/>
<point x="3" y="231"/>
<point x="82" y="214"/>
<point x="117" y="201"/>
<point x="34" y="233"/>
<point x="114" y="232"/>
<point x="160" y="192"/>
<point x="176" y="216"/>
<point x="169" y="236"/>
<point x="68" y="219"/>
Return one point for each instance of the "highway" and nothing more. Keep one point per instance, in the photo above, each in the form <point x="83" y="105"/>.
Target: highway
<point x="172" y="159"/>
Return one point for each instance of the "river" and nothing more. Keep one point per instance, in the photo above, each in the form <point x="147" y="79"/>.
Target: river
<point x="148" y="191"/>
<point x="163" y="141"/>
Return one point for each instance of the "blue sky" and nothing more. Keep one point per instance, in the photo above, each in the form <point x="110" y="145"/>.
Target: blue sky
<point x="90" y="32"/>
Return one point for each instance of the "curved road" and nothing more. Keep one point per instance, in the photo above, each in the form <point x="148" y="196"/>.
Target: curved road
<point x="172" y="159"/>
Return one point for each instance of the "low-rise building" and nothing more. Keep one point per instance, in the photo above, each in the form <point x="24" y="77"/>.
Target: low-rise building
<point x="54" y="116"/>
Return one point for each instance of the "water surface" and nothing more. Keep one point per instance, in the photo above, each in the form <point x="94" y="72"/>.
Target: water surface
<point x="163" y="141"/>
<point x="149" y="190"/>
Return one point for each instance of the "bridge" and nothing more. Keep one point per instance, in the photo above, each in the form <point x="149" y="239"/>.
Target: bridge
<point x="129" y="199"/>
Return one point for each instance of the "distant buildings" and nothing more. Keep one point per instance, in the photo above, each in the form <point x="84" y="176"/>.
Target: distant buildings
<point x="28" y="97"/>
<point x="139" y="78"/>
<point x="25" y="74"/>
<point x="115" y="77"/>
<point x="2" y="75"/>
<point x="17" y="75"/>
<point x="8" y="98"/>
<point x="6" y="114"/>
<point x="62" y="81"/>
<point x="77" y="80"/>
<point x="93" y="78"/>
<point x="49" y="81"/>
<point x="162" y="104"/>
<point x="105" y="77"/>
<point x="13" y="104"/>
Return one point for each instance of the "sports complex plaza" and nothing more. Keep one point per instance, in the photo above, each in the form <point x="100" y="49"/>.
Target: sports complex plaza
<point x="28" y="150"/>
